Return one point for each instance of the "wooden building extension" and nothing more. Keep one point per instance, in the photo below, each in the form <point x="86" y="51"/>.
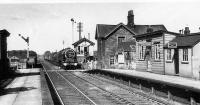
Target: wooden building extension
<point x="183" y="56"/>
<point x="149" y="50"/>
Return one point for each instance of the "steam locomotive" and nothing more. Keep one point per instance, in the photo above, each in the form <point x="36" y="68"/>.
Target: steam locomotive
<point x="66" y="59"/>
<point x="69" y="60"/>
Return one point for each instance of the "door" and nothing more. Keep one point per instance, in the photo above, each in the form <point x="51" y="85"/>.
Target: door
<point x="176" y="61"/>
<point x="148" y="58"/>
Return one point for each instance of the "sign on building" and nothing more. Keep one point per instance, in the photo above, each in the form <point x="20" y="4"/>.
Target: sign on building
<point x="121" y="58"/>
<point x="172" y="45"/>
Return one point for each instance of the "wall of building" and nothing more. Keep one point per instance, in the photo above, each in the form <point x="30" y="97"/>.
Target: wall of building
<point x="169" y="65"/>
<point x="196" y="61"/>
<point x="140" y="64"/>
<point x="111" y="45"/>
<point x="156" y="66"/>
<point x="185" y="69"/>
<point x="168" y="38"/>
<point x="81" y="54"/>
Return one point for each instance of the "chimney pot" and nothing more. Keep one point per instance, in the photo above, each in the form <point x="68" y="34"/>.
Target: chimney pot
<point x="187" y="31"/>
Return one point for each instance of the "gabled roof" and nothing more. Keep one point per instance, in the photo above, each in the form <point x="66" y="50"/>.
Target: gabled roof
<point x="127" y="46"/>
<point x="83" y="40"/>
<point x="117" y="27"/>
<point x="187" y="40"/>
<point x="103" y="30"/>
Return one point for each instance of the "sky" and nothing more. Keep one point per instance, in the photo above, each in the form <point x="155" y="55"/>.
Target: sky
<point x="47" y="23"/>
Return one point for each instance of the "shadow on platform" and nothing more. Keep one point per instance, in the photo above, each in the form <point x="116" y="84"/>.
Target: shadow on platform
<point x="15" y="90"/>
<point x="26" y="74"/>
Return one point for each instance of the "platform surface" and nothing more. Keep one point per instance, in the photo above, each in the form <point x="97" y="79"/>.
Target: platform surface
<point x="24" y="90"/>
<point x="173" y="80"/>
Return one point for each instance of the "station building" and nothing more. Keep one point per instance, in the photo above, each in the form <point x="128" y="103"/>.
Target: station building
<point x="183" y="55"/>
<point x="84" y="49"/>
<point x="150" y="52"/>
<point x="4" y="61"/>
<point x="117" y="43"/>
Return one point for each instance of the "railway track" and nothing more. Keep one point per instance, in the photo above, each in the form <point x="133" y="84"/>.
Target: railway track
<point x="65" y="93"/>
<point x="126" y="86"/>
<point x="84" y="89"/>
<point x="127" y="95"/>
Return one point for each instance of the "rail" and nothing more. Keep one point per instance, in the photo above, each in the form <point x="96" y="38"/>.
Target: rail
<point x="54" y="93"/>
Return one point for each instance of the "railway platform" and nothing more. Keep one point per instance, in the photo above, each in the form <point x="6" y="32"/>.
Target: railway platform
<point x="25" y="89"/>
<point x="167" y="79"/>
<point x="180" y="89"/>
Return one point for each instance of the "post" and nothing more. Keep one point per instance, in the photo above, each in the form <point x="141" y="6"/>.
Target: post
<point x="73" y="21"/>
<point x="152" y="90"/>
<point x="129" y="83"/>
<point x="169" y="95"/>
<point x="192" y="101"/>
<point x="72" y="31"/>
<point x="28" y="50"/>
<point x="140" y="86"/>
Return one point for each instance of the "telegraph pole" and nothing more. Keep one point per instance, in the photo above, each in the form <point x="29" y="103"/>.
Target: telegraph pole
<point x="27" y="41"/>
<point x="80" y="29"/>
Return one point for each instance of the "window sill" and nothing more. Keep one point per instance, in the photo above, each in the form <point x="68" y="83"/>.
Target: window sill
<point x="141" y="60"/>
<point x="185" y="62"/>
<point x="120" y="63"/>
<point x="169" y="61"/>
<point x="157" y="60"/>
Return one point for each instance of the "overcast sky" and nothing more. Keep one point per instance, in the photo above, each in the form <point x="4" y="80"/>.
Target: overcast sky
<point x="48" y="24"/>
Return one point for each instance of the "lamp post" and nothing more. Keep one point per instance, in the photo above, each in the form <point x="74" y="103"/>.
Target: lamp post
<point x="73" y="21"/>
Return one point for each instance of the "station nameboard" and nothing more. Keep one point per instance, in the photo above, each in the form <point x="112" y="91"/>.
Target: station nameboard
<point x="172" y="45"/>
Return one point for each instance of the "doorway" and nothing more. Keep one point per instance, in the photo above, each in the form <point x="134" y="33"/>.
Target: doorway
<point x="148" y="58"/>
<point x="176" y="61"/>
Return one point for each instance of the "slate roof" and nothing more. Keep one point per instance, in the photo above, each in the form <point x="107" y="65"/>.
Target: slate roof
<point x="156" y="33"/>
<point x="142" y="29"/>
<point x="127" y="46"/>
<point x="187" y="40"/>
<point x="102" y="30"/>
<point x="83" y="40"/>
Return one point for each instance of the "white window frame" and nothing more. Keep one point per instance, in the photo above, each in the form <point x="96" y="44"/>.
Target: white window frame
<point x="157" y="52"/>
<point x="141" y="52"/>
<point x="121" y="37"/>
<point x="113" y="58"/>
<point x="169" y="54"/>
<point x="185" y="54"/>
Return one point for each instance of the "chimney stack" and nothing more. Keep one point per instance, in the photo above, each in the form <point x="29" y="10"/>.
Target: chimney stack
<point x="187" y="31"/>
<point x="130" y="18"/>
